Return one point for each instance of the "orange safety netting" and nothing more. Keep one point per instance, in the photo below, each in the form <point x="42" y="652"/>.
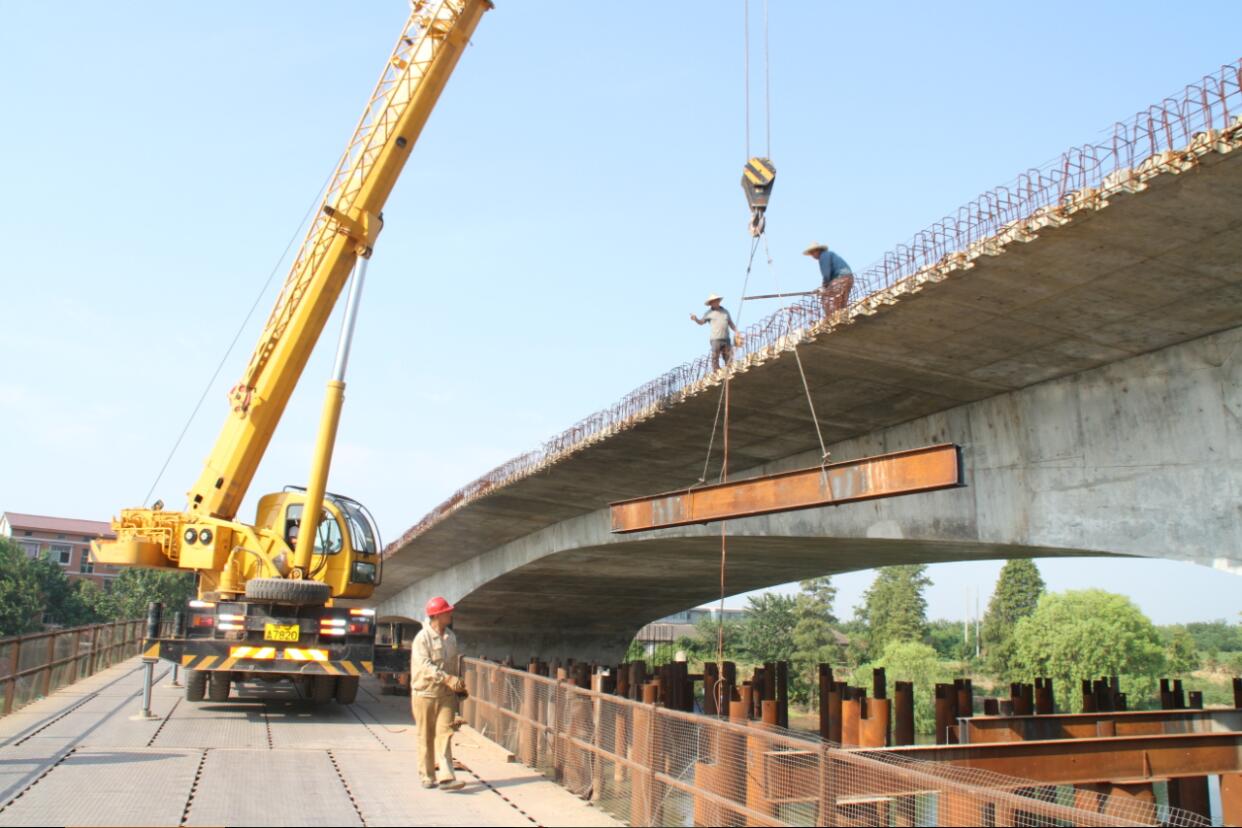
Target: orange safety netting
<point x="648" y="765"/>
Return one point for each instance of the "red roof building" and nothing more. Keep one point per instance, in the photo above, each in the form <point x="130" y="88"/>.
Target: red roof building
<point x="65" y="541"/>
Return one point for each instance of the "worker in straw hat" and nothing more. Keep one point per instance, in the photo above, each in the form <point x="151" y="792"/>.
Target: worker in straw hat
<point x="721" y="322"/>
<point x="435" y="684"/>
<point x="838" y="278"/>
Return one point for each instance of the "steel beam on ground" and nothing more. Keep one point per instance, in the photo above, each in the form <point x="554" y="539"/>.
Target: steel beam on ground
<point x="983" y="729"/>
<point x="1072" y="761"/>
<point x="887" y="475"/>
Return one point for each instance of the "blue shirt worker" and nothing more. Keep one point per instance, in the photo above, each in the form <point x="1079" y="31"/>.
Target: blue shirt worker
<point x="838" y="278"/>
<point x="721" y="322"/>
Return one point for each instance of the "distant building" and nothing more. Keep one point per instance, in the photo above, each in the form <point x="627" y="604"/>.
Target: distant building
<point x="684" y="624"/>
<point x="672" y="628"/>
<point x="64" y="541"/>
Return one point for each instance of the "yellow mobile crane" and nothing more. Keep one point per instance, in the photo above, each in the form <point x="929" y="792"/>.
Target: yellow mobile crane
<point x="265" y="591"/>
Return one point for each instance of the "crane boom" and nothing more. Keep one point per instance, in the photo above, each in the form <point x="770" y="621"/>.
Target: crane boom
<point x="274" y="582"/>
<point x="344" y="228"/>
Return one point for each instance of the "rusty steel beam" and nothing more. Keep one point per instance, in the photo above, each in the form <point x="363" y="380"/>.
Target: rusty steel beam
<point x="887" y="475"/>
<point x="984" y="729"/>
<point x="1074" y="761"/>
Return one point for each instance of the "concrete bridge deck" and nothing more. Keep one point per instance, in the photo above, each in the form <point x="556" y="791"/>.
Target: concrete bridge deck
<point x="77" y="758"/>
<point x="1084" y="355"/>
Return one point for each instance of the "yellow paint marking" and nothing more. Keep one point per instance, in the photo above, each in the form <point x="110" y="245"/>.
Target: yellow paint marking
<point x="207" y="661"/>
<point x="350" y="667"/>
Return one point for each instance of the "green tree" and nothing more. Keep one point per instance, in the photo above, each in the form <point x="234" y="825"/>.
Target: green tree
<point x="1180" y="652"/>
<point x="947" y="640"/>
<point x="765" y="630"/>
<point x="894" y="608"/>
<point x="814" y="635"/>
<point x="21" y="605"/>
<point x="915" y="662"/>
<point x="135" y="588"/>
<point x="61" y="600"/>
<point x="1017" y="593"/>
<point x="1216" y="636"/>
<point x="706" y="630"/>
<point x="1087" y="633"/>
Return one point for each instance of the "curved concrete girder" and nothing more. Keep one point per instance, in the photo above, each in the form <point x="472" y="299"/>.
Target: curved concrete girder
<point x="1140" y="457"/>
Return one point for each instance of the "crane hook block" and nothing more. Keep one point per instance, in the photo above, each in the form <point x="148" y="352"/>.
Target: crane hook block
<point x="757" y="178"/>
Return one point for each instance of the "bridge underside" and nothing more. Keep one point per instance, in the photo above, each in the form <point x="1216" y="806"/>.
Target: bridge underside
<point x="1089" y="369"/>
<point x="590" y="602"/>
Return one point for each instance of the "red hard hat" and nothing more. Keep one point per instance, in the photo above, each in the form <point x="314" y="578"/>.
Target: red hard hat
<point x="438" y="606"/>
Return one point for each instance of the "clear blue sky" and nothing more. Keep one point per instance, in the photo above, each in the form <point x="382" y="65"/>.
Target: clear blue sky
<point x="573" y="198"/>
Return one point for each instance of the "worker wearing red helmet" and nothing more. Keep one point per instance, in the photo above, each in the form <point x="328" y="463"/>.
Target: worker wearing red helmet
<point x="434" y="685"/>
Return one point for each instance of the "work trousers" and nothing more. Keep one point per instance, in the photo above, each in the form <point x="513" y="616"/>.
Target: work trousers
<point x="836" y="294"/>
<point x="722" y="349"/>
<point x="434" y="720"/>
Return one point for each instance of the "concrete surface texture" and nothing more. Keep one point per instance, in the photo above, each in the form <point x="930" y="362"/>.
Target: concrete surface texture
<point x="1086" y="362"/>
<point x="77" y="758"/>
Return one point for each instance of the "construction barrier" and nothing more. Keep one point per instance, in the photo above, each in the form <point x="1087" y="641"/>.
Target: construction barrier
<point x="37" y="664"/>
<point x="649" y="765"/>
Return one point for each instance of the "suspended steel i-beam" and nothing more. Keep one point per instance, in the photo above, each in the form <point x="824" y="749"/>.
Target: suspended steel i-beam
<point x="887" y="475"/>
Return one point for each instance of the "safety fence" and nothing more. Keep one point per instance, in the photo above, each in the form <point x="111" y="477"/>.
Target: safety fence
<point x="40" y="663"/>
<point x="649" y="765"/>
<point x="1168" y="136"/>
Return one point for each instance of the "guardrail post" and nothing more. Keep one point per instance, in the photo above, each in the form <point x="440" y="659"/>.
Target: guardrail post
<point x="528" y="730"/>
<point x="10" y="690"/>
<point x="77" y="648"/>
<point x="642" y="789"/>
<point x="45" y="679"/>
<point x="597" y="736"/>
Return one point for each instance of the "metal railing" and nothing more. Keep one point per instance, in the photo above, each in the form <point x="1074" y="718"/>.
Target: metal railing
<point x="648" y="765"/>
<point x="1170" y="135"/>
<point x="38" y="664"/>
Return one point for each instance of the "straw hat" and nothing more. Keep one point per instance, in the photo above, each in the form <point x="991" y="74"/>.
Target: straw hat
<point x="814" y="248"/>
<point x="713" y="298"/>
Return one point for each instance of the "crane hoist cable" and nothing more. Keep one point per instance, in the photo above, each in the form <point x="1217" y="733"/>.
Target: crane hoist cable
<point x="759" y="173"/>
<point x="758" y="176"/>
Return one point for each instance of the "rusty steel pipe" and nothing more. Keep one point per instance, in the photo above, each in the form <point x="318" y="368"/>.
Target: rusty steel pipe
<point x="903" y="728"/>
<point x="851" y="717"/>
<point x="874" y="728"/>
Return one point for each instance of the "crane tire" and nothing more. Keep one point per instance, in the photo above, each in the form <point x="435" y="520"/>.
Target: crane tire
<point x="346" y="689"/>
<point x="287" y="591"/>
<point x="195" y="685"/>
<point x="218" y="685"/>
<point x="322" y="689"/>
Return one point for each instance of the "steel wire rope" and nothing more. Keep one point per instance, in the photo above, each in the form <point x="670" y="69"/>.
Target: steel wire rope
<point x="746" y="66"/>
<point x="767" y="87"/>
<point x="823" y="449"/>
<point x="711" y="440"/>
<point x="240" y="330"/>
<point x="724" y="466"/>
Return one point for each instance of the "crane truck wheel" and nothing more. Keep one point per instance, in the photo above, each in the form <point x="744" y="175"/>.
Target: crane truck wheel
<point x="195" y="685"/>
<point x="282" y="591"/>
<point x="218" y="685"/>
<point x="322" y="689"/>
<point x="346" y="689"/>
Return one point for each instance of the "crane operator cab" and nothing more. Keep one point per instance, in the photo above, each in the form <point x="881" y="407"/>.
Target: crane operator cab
<point x="346" y="550"/>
